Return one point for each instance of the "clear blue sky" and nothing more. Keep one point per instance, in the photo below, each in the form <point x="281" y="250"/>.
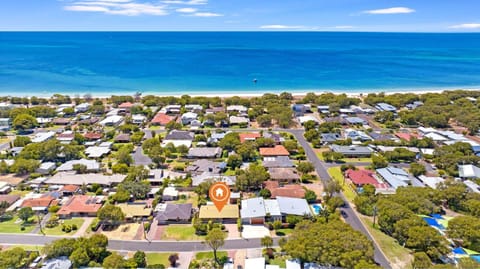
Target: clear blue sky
<point x="242" y="15"/>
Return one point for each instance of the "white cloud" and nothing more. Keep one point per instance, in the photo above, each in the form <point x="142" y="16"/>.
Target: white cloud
<point x="186" y="10"/>
<point x="206" y="14"/>
<point x="191" y="2"/>
<point x="466" y="26"/>
<point x="281" y="26"/>
<point x="343" y="27"/>
<point x="392" y="10"/>
<point x="119" y="7"/>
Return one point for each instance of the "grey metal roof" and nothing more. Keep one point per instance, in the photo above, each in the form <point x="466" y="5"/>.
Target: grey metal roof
<point x="253" y="208"/>
<point x="279" y="161"/>
<point x="174" y="212"/>
<point x="351" y="149"/>
<point x="204" y="152"/>
<point x="179" y="135"/>
<point x="293" y="206"/>
<point x="391" y="178"/>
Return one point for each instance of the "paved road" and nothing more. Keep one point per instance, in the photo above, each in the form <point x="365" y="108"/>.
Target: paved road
<point x="139" y="158"/>
<point x="132" y="245"/>
<point x="350" y="216"/>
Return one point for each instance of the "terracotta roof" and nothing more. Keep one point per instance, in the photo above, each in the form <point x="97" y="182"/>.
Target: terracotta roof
<point x="66" y="135"/>
<point x="363" y="177"/>
<point x="93" y="136"/>
<point x="70" y="188"/>
<point x="125" y="105"/>
<point x="39" y="202"/>
<point x="278" y="150"/>
<point x="162" y="119"/>
<point x="81" y="204"/>
<point x="10" y="199"/>
<point x="122" y="137"/>
<point x="406" y="136"/>
<point x="292" y="190"/>
<point x="61" y="120"/>
<point x="248" y="136"/>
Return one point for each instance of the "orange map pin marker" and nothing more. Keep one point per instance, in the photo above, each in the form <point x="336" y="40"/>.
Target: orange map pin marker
<point x="219" y="193"/>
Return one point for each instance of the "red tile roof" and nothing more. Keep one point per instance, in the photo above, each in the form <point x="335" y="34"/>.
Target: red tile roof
<point x="39" y="202"/>
<point x="292" y="190"/>
<point x="70" y="188"/>
<point x="278" y="150"/>
<point x="93" y="136"/>
<point x="162" y="119"/>
<point x="363" y="177"/>
<point x="125" y="105"/>
<point x="80" y="204"/>
<point x="249" y="136"/>
<point x="406" y="136"/>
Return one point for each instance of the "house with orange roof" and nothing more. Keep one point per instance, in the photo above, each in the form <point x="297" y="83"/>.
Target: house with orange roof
<point x="406" y="136"/>
<point x="161" y="119"/>
<point x="127" y="106"/>
<point x="81" y="206"/>
<point x="69" y="190"/>
<point x="290" y="190"/>
<point x="277" y="150"/>
<point x="249" y="137"/>
<point x="40" y="204"/>
<point x="93" y="136"/>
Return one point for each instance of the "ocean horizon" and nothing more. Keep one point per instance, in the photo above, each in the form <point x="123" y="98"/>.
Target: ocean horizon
<point x="229" y="63"/>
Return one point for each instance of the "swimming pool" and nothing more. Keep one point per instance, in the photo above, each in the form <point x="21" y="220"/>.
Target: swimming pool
<point x="317" y="208"/>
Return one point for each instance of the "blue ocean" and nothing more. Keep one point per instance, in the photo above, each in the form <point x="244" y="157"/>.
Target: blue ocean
<point x="105" y="63"/>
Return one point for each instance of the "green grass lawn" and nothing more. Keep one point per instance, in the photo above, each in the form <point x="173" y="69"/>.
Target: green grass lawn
<point x="395" y="253"/>
<point x="25" y="247"/>
<point x="278" y="260"/>
<point x="283" y="232"/>
<point x="192" y="198"/>
<point x="19" y="192"/>
<point x="158" y="258"/>
<point x="336" y="174"/>
<point x="230" y="172"/>
<point x="209" y="255"/>
<point x="180" y="232"/>
<point x="154" y="127"/>
<point x="57" y="230"/>
<point x="12" y="226"/>
<point x="353" y="160"/>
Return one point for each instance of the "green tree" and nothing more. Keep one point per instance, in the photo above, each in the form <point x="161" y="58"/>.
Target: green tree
<point x="79" y="257"/>
<point x="379" y="161"/>
<point x="80" y="168"/>
<point x="58" y="248"/>
<point x="265" y="193"/>
<point x="124" y="156"/>
<point x="291" y="145"/>
<point x="417" y="169"/>
<point x="114" y="261"/>
<point x="310" y="196"/>
<point x="421" y="260"/>
<point x="466" y="229"/>
<point x="215" y="239"/>
<point x="111" y="214"/>
<point x="428" y="240"/>
<point x="140" y="259"/>
<point x="331" y="188"/>
<point x="25" y="213"/>
<point x="24" y="122"/>
<point x="334" y="202"/>
<point x="234" y="161"/>
<point x="13" y="258"/>
<point x="21" y="141"/>
<point x="230" y="141"/>
<point x="23" y="166"/>
<point x="247" y="150"/>
<point x="266" y="242"/>
<point x="305" y="167"/>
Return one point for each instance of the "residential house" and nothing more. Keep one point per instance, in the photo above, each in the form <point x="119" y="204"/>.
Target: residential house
<point x="126" y="106"/>
<point x="92" y="136"/>
<point x="290" y="190"/>
<point x="377" y="136"/>
<point x="352" y="151"/>
<point x="293" y="206"/>
<point x="255" y="263"/>
<point x="188" y="117"/>
<point x="472" y="186"/>
<point x="468" y="171"/>
<point x="214" y="110"/>
<point x="237" y="108"/>
<point x="122" y="138"/>
<point x="57" y="263"/>
<point x="202" y="165"/>
<point x="5" y="187"/>
<point x="386" y="107"/>
<point x="194" y="108"/>
<point x="356" y="121"/>
<point x="323" y="109"/>
<point x="91" y="165"/>
<point x="228" y="214"/>
<point x="40" y="204"/>
<point x="81" y="108"/>
<point x="5" y="124"/>
<point x="284" y="175"/>
<point x="206" y="176"/>
<point x="170" y="194"/>
<point x="66" y="137"/>
<point x="135" y="211"/>
<point x="138" y="119"/>
<point x="215" y="137"/>
<point x="9" y="199"/>
<point x="362" y="177"/>
<point x="66" y="178"/>
<point x="395" y="177"/>
<point x="43" y="136"/>
<point x="172" y="109"/>
<point x="244" y="137"/>
<point x="406" y="136"/>
<point x="238" y="120"/>
<point x="112" y="121"/>
<point x="274" y="136"/>
<point x="277" y="150"/>
<point x="431" y="182"/>
<point x="46" y="168"/>
<point x="173" y="213"/>
<point x="162" y="119"/>
<point x="62" y="121"/>
<point x="198" y="153"/>
<point x="303" y="119"/>
<point x="277" y="162"/>
<point x="96" y="152"/>
<point x="81" y="206"/>
<point x="356" y="135"/>
<point x="328" y="138"/>
<point x="256" y="210"/>
<point x="69" y="190"/>
<point x="156" y="176"/>
<point x="178" y="138"/>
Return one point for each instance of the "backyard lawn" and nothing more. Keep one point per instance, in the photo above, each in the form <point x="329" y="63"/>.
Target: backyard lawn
<point x="356" y="160"/>
<point x="57" y="230"/>
<point x="336" y="174"/>
<point x="283" y="232"/>
<point x="158" y="258"/>
<point x="180" y="232"/>
<point x="13" y="226"/>
<point x="192" y="198"/>
<point x="399" y="256"/>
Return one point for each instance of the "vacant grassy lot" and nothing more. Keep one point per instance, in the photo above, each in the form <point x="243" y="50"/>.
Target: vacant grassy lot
<point x="399" y="256"/>
<point x="57" y="230"/>
<point x="14" y="225"/>
<point x="180" y="232"/>
<point x="158" y="258"/>
<point x="337" y="175"/>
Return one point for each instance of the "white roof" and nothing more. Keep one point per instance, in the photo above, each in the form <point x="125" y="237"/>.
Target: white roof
<point x="236" y="119"/>
<point x="469" y="170"/>
<point x="236" y="108"/>
<point x="427" y="151"/>
<point x="170" y="191"/>
<point x="44" y="136"/>
<point x="96" y="152"/>
<point x="472" y="186"/>
<point x="65" y="178"/>
<point x="47" y="165"/>
<point x="292" y="264"/>
<point x="272" y="207"/>
<point x="253" y="208"/>
<point x="90" y="164"/>
<point x="189" y="115"/>
<point x="436" y="137"/>
<point x="293" y="206"/>
<point x="303" y="119"/>
<point x="111" y="120"/>
<point x="427" y="130"/>
<point x="138" y="117"/>
<point x="255" y="263"/>
<point x="432" y="182"/>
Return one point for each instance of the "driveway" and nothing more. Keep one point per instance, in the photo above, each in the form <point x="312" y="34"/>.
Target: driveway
<point x="255" y="231"/>
<point x="233" y="232"/>
<point x="139" y="158"/>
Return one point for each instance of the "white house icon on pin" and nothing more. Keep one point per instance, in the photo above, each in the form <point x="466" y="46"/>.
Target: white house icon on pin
<point x="219" y="192"/>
